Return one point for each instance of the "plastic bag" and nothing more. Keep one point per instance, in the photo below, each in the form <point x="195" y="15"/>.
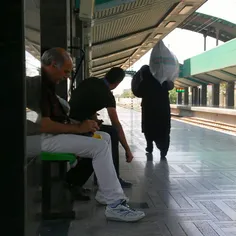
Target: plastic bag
<point x="164" y="65"/>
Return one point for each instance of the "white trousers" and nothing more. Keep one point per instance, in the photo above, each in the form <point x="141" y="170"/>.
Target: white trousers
<point x="110" y="189"/>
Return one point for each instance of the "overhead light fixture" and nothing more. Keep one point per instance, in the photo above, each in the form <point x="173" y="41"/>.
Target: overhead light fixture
<point x="170" y="24"/>
<point x="157" y="36"/>
<point x="186" y="9"/>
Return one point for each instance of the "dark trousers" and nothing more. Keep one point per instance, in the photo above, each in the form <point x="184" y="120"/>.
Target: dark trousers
<point x="79" y="175"/>
<point x="114" y="144"/>
<point x="162" y="142"/>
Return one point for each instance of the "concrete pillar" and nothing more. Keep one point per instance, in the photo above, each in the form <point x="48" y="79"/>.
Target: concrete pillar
<point x="54" y="21"/>
<point x="217" y="36"/>
<point x="230" y="94"/>
<point x="186" y="97"/>
<point x="179" y="98"/>
<point x="80" y="36"/>
<point x="195" y="96"/>
<point x="13" y="119"/>
<point x="205" y="42"/>
<point x="203" y="99"/>
<point x="215" y="95"/>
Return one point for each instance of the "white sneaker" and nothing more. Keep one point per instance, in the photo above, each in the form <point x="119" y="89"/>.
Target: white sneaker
<point x="123" y="212"/>
<point x="100" y="199"/>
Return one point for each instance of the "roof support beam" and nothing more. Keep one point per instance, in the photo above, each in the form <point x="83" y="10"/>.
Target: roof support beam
<point x="222" y="80"/>
<point x="109" y="64"/>
<point x="228" y="73"/>
<point x="124" y="36"/>
<point x="112" y="54"/>
<point x="196" y="81"/>
<point x="104" y="70"/>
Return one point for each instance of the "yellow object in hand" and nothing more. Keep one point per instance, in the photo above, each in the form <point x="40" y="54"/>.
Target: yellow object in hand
<point x="97" y="136"/>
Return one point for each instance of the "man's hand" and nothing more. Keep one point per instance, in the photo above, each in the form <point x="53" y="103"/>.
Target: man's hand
<point x="129" y="156"/>
<point x="88" y="126"/>
<point x="99" y="122"/>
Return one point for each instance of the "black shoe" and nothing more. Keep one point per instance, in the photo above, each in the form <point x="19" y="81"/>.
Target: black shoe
<point x="163" y="155"/>
<point x="149" y="156"/>
<point x="86" y="190"/>
<point x="125" y="184"/>
<point x="79" y="194"/>
<point x="163" y="159"/>
<point x="149" y="150"/>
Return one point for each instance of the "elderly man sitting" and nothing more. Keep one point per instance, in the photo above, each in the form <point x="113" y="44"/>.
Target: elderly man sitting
<point x="60" y="135"/>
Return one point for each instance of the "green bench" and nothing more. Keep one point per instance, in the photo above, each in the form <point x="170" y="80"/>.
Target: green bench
<point x="62" y="159"/>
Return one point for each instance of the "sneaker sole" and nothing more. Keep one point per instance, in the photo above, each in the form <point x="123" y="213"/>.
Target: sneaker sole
<point x="126" y="220"/>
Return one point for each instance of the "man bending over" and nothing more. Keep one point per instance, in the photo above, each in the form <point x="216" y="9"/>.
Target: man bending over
<point x="94" y="94"/>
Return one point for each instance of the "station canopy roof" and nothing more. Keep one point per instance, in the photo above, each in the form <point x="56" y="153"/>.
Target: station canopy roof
<point x="123" y="32"/>
<point x="214" y="66"/>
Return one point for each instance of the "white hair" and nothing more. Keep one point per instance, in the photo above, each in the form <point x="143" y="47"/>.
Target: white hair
<point x="54" y="55"/>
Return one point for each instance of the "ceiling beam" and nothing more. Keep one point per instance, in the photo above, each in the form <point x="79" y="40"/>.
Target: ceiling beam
<point x="214" y="77"/>
<point x="116" y="53"/>
<point x="124" y="36"/>
<point x="185" y="83"/>
<point x="109" y="64"/>
<point x="104" y="70"/>
<point x="202" y="80"/>
<point x="179" y="83"/>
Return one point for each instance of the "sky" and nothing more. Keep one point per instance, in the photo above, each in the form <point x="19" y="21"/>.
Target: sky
<point x="183" y="43"/>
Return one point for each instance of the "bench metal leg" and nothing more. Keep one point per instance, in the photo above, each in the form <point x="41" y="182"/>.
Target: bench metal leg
<point x="46" y="188"/>
<point x="46" y="196"/>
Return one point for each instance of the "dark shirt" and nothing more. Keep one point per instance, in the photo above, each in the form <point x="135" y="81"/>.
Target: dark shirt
<point x="90" y="96"/>
<point x="155" y="104"/>
<point x="50" y="105"/>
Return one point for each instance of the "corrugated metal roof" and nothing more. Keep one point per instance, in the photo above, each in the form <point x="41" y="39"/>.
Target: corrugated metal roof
<point x="129" y="30"/>
<point x="122" y="34"/>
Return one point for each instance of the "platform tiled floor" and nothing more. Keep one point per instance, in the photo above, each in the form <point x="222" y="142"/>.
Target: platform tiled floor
<point x="193" y="193"/>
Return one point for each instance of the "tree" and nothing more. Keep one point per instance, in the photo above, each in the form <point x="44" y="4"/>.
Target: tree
<point x="127" y="93"/>
<point x="173" y="96"/>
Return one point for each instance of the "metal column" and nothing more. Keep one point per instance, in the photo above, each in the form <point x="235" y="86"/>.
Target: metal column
<point x="80" y="36"/>
<point x="180" y="98"/>
<point x="205" y="42"/>
<point x="203" y="99"/>
<point x="54" y="30"/>
<point x="186" y="97"/>
<point x="195" y="96"/>
<point x="13" y="118"/>
<point x="230" y="94"/>
<point x="215" y="95"/>
<point x="217" y="36"/>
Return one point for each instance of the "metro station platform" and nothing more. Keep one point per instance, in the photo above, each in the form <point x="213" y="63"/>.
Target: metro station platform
<point x="225" y="116"/>
<point x="193" y="193"/>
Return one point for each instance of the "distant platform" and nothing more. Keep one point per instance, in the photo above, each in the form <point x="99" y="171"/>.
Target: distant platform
<point x="222" y="115"/>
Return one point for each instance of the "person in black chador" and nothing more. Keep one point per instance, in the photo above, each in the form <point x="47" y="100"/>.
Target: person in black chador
<point x="156" y="117"/>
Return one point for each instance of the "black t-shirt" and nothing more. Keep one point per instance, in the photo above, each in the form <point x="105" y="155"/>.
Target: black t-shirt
<point x="90" y="96"/>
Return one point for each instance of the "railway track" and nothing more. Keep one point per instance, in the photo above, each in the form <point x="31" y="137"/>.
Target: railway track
<point x="207" y="124"/>
<point x="228" y="128"/>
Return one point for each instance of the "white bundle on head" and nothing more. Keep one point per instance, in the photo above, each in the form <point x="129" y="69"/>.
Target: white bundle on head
<point x="163" y="64"/>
